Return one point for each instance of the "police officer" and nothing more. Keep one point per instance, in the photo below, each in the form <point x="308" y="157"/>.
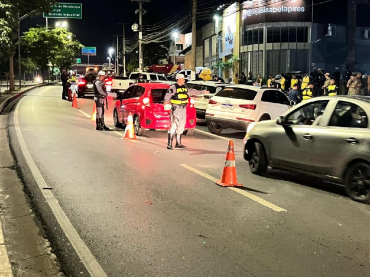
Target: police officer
<point x="140" y="79"/>
<point x="176" y="99"/>
<point x="64" y="78"/>
<point x="100" y="95"/>
<point x="305" y="81"/>
<point x="332" y="88"/>
<point x="308" y="92"/>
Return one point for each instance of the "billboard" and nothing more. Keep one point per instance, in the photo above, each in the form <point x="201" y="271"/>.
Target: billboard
<point x="65" y="10"/>
<point x="257" y="11"/>
<point x="88" y="51"/>
<point x="229" y="26"/>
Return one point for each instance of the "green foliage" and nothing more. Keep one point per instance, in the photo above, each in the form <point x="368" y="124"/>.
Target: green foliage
<point x="155" y="52"/>
<point x="231" y="63"/>
<point x="133" y="65"/>
<point x="8" y="27"/>
<point x="28" y="65"/>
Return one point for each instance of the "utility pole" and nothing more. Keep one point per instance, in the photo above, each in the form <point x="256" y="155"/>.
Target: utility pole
<point x="117" y="61"/>
<point x="194" y="34"/>
<point x="140" y="32"/>
<point x="123" y="48"/>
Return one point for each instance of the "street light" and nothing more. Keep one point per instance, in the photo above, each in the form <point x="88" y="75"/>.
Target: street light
<point x="69" y="37"/>
<point x="110" y="52"/>
<point x="61" y="24"/>
<point x="175" y="35"/>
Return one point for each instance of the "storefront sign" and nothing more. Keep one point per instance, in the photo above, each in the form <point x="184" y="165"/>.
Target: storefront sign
<point x="229" y="26"/>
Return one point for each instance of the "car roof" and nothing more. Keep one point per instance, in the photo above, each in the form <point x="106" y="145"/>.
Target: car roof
<point x="208" y="83"/>
<point x="257" y="89"/>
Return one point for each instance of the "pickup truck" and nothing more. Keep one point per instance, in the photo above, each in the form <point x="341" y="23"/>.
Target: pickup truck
<point x="120" y="84"/>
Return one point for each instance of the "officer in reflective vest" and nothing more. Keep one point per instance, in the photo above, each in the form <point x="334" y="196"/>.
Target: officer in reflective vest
<point x="332" y="89"/>
<point x="282" y="83"/>
<point x="307" y="93"/>
<point x="293" y="81"/>
<point x="305" y="81"/>
<point x="176" y="99"/>
<point x="100" y="95"/>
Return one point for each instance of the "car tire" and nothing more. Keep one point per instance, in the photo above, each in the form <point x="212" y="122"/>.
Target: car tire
<point x="116" y="120"/>
<point x="357" y="182"/>
<point x="265" y="117"/>
<point x="258" y="160"/>
<point x="214" y="128"/>
<point x="188" y="132"/>
<point x="138" y="130"/>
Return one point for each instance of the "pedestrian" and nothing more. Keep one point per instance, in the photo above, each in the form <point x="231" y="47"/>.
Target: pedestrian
<point x="308" y="92"/>
<point x="250" y="80"/>
<point x="269" y="81"/>
<point x="294" y="81"/>
<point x="64" y="78"/>
<point x="140" y="79"/>
<point x="347" y="78"/>
<point x="243" y="79"/>
<point x="176" y="100"/>
<point x="295" y="96"/>
<point x="282" y="83"/>
<point x="351" y="84"/>
<point x="258" y="81"/>
<point x="336" y="76"/>
<point x="273" y="83"/>
<point x="305" y="81"/>
<point x="326" y="84"/>
<point x="332" y="89"/>
<point x="319" y="82"/>
<point x="72" y="80"/>
<point x="358" y="83"/>
<point x="100" y="95"/>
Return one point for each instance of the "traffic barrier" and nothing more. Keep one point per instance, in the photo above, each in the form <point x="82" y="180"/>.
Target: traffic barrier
<point x="228" y="177"/>
<point x="69" y="94"/>
<point x="130" y="130"/>
<point x="93" y="115"/>
<point x="74" y="103"/>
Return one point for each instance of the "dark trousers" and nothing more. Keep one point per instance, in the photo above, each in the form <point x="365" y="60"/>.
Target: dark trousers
<point x="65" y="90"/>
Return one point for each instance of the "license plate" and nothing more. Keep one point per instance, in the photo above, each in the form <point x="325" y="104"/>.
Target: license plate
<point x="109" y="88"/>
<point x="89" y="85"/>
<point x="227" y="106"/>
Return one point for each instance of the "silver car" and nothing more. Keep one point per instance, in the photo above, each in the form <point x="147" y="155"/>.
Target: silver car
<point x="326" y="137"/>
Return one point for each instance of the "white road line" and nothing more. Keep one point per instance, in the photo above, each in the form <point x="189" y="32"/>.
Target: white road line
<point x="238" y="190"/>
<point x="85" y="114"/>
<point x="87" y="258"/>
<point x="209" y="134"/>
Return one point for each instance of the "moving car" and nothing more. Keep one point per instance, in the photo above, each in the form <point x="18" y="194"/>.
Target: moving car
<point x="237" y="106"/>
<point x="145" y="102"/>
<point x="86" y="84"/>
<point x="326" y="137"/>
<point x="201" y="92"/>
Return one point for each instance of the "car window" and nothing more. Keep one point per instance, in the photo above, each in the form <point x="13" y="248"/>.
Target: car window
<point x="348" y="115"/>
<point x="211" y="89"/>
<point x="158" y="95"/>
<point x="269" y="96"/>
<point x="281" y="98"/>
<point x="129" y="92"/>
<point x="237" y="93"/>
<point x="307" y="114"/>
<point x="153" y="77"/>
<point x="162" y="78"/>
<point x="194" y="86"/>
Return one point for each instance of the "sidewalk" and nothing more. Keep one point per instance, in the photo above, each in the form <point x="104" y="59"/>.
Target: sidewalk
<point x="24" y="251"/>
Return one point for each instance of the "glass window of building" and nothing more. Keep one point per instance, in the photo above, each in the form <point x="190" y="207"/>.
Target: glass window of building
<point x="302" y="34"/>
<point x="206" y="48"/>
<point x="253" y="36"/>
<point x="292" y="34"/>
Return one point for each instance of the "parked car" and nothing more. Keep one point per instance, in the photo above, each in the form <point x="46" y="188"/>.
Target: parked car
<point x="201" y="92"/>
<point x="236" y="106"/>
<point x="145" y="102"/>
<point x="326" y="137"/>
<point x="86" y="84"/>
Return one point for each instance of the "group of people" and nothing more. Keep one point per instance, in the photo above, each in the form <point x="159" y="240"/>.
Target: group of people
<point x="69" y="81"/>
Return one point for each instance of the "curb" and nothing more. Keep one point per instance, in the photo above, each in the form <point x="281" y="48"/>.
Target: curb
<point x="7" y="101"/>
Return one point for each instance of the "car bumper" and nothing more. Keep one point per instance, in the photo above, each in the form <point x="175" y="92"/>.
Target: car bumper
<point x="229" y="123"/>
<point x="148" y="120"/>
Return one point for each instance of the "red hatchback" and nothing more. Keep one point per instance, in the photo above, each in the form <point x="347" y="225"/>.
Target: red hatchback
<point x="145" y="102"/>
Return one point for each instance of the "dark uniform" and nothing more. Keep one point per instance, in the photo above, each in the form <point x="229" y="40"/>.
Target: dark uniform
<point x="100" y="95"/>
<point x="64" y="78"/>
<point x="178" y="97"/>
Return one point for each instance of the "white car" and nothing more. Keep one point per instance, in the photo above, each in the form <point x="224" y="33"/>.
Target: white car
<point x="237" y="106"/>
<point x="201" y="92"/>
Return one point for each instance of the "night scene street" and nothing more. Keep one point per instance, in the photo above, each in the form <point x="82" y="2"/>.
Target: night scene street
<point x="191" y="138"/>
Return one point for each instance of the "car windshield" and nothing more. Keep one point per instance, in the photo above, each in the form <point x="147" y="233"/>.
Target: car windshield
<point x="136" y="76"/>
<point x="158" y="95"/>
<point x="90" y="77"/>
<point x="162" y="78"/>
<point x="237" y="93"/>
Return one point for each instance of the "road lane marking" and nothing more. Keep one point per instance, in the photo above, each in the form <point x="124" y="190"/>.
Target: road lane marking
<point x="249" y="195"/>
<point x="210" y="135"/>
<point x="86" y="114"/>
<point x="87" y="258"/>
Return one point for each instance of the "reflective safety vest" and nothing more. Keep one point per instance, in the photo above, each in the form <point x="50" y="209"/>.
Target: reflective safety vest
<point x="181" y="96"/>
<point x="72" y="79"/>
<point x="305" y="82"/>
<point x="293" y="82"/>
<point x="307" y="94"/>
<point x="282" y="83"/>
<point x="332" y="90"/>
<point x="269" y="83"/>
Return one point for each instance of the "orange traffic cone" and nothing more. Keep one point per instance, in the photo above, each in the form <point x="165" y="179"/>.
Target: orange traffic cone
<point x="93" y="115"/>
<point x="74" y="103"/>
<point x="228" y="177"/>
<point x="69" y="95"/>
<point x="130" y="131"/>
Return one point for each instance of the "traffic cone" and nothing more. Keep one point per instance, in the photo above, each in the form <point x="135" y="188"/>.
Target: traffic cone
<point x="93" y="115"/>
<point x="130" y="130"/>
<point x="74" y="103"/>
<point x="228" y="177"/>
<point x="69" y="95"/>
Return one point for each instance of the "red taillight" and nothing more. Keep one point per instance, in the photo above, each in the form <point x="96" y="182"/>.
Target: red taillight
<point x="108" y="82"/>
<point x="248" y="106"/>
<point x="81" y="82"/>
<point x="212" y="102"/>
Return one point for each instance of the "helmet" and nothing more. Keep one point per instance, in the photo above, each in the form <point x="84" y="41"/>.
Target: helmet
<point x="101" y="73"/>
<point x="180" y="76"/>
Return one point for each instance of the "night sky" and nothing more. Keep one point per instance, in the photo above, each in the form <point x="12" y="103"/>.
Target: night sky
<point x="100" y="20"/>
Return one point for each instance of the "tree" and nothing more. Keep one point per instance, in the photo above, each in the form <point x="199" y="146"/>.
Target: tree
<point x="155" y="52"/>
<point x="133" y="64"/>
<point x="230" y="64"/>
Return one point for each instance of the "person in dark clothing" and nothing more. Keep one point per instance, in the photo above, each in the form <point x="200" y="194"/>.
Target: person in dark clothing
<point x="295" y="95"/>
<point x="141" y="79"/>
<point x="319" y="83"/>
<point x="64" y="78"/>
<point x="251" y="79"/>
<point x="100" y="95"/>
<point x="243" y="79"/>
<point x="336" y="76"/>
<point x="273" y="83"/>
<point x="347" y="78"/>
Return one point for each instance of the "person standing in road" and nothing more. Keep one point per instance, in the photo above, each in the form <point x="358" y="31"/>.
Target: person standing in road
<point x="140" y="79"/>
<point x="351" y="84"/>
<point x="243" y="79"/>
<point x="282" y="83"/>
<point x="73" y="84"/>
<point x="295" y="96"/>
<point x="176" y="99"/>
<point x="269" y="81"/>
<point x="64" y="78"/>
<point x="347" y="78"/>
<point x="250" y="80"/>
<point x="305" y="81"/>
<point x="294" y="81"/>
<point x="358" y="83"/>
<point x="336" y="76"/>
<point x="319" y="83"/>
<point x="308" y="92"/>
<point x="326" y="84"/>
<point x="332" y="89"/>
<point x="100" y="95"/>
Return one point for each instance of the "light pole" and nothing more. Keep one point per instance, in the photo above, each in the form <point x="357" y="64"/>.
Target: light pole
<point x="110" y="52"/>
<point x="217" y="19"/>
<point x="175" y="35"/>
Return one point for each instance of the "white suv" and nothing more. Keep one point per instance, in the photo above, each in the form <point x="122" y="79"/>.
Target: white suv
<point x="237" y="106"/>
<point x="201" y="92"/>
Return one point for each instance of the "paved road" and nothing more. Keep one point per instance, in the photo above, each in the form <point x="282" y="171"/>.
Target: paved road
<point x="143" y="210"/>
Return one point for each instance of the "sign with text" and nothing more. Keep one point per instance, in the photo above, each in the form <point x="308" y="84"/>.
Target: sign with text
<point x="88" y="51"/>
<point x="65" y="10"/>
<point x="78" y="60"/>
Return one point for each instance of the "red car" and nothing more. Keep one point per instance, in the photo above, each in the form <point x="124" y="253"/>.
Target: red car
<point x="145" y="102"/>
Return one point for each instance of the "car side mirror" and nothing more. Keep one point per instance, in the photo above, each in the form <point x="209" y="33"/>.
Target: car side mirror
<point x="280" y="120"/>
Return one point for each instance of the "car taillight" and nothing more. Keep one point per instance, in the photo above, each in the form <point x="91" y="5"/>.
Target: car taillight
<point x="248" y="106"/>
<point x="212" y="102"/>
<point x="108" y="82"/>
<point x="81" y="82"/>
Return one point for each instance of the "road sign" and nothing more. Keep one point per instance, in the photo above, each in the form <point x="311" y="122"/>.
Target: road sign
<point x="65" y="10"/>
<point x="78" y="60"/>
<point x="88" y="51"/>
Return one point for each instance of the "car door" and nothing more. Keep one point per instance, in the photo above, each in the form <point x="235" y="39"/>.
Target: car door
<point x="132" y="103"/>
<point x="343" y="139"/>
<point x="274" y="102"/>
<point x="292" y="143"/>
<point x="126" y="96"/>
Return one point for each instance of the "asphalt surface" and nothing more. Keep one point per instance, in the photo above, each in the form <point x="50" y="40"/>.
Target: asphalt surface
<point x="142" y="212"/>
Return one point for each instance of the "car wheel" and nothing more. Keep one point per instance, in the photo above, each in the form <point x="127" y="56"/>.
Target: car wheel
<point x="138" y="130"/>
<point x="214" y="128"/>
<point x="265" y="117"/>
<point x="188" y="132"/>
<point x="357" y="182"/>
<point x="258" y="161"/>
<point x="116" y="120"/>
